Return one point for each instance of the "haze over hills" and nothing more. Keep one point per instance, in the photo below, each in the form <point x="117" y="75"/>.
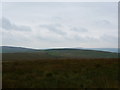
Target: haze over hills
<point x="116" y="50"/>
<point x="18" y="53"/>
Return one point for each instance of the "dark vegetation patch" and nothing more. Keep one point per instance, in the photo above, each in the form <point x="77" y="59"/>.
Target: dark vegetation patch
<point x="64" y="73"/>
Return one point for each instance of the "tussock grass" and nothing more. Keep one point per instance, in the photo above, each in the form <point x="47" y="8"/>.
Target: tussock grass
<point x="61" y="73"/>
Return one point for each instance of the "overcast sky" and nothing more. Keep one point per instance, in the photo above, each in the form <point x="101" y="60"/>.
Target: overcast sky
<point x="53" y="25"/>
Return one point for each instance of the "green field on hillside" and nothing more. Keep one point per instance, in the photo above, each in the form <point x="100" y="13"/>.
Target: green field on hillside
<point x="58" y="54"/>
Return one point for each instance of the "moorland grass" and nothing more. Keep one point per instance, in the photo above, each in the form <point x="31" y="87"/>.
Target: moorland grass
<point x="61" y="73"/>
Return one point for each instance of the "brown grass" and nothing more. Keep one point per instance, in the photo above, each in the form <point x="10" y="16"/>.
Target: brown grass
<point x="61" y="73"/>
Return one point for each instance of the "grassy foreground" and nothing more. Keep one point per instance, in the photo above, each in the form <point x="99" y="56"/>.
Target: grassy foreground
<point x="65" y="73"/>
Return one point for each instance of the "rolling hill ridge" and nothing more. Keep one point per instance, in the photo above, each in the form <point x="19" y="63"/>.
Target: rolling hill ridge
<point x="18" y="53"/>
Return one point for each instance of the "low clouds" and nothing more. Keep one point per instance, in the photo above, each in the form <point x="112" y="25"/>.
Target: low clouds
<point x="53" y="33"/>
<point x="106" y="24"/>
<point x="63" y="29"/>
<point x="103" y="22"/>
<point x="8" y="25"/>
<point x="54" y="28"/>
<point x="109" y="38"/>
<point x="79" y="29"/>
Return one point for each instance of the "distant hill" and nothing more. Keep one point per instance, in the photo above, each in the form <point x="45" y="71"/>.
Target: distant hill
<point x="105" y="49"/>
<point x="18" y="53"/>
<point x="9" y="49"/>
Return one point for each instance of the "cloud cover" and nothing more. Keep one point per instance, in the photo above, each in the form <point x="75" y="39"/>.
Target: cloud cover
<point x="60" y="24"/>
<point x="7" y="25"/>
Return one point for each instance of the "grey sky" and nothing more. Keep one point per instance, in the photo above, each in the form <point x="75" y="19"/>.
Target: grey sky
<point x="7" y="25"/>
<point x="50" y="24"/>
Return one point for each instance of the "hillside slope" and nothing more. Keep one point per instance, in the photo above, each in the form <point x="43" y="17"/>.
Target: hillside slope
<point x="58" y="54"/>
<point x="9" y="49"/>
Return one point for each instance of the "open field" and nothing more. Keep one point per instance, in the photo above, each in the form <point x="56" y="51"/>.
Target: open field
<point x="61" y="73"/>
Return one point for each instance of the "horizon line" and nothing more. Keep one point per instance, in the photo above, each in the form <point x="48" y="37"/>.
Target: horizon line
<point x="56" y="47"/>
